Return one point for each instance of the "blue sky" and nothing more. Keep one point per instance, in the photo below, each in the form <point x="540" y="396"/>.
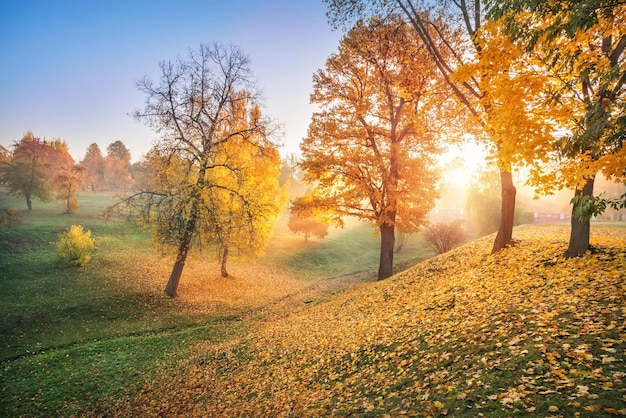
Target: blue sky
<point x="68" y="68"/>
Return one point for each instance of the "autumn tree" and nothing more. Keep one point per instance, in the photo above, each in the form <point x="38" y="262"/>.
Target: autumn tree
<point x="582" y="45"/>
<point x="66" y="176"/>
<point x="202" y="190"/>
<point x="307" y="226"/>
<point x="448" y="31"/>
<point x="370" y="148"/>
<point x="249" y="199"/>
<point x="306" y="219"/>
<point x="5" y="155"/>
<point x="118" y="150"/>
<point x="117" y="166"/>
<point x="26" y="174"/>
<point x="68" y="181"/>
<point x="93" y="161"/>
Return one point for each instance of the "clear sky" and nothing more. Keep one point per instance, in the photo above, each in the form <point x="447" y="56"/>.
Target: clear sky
<point x="68" y="67"/>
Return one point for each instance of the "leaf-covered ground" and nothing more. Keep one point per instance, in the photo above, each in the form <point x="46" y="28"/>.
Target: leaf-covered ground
<point x="524" y="332"/>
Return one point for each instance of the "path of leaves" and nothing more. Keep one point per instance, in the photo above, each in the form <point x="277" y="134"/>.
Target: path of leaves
<point x="522" y="332"/>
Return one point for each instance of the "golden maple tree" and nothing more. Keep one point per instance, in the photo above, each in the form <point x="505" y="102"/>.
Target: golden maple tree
<point x="370" y="149"/>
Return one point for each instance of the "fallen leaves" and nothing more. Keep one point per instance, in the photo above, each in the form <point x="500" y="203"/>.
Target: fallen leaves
<point x="524" y="331"/>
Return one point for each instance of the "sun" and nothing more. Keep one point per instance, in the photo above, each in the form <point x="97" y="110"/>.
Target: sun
<point x="459" y="163"/>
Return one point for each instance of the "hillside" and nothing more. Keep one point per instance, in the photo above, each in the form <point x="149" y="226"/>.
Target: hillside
<point x="522" y="333"/>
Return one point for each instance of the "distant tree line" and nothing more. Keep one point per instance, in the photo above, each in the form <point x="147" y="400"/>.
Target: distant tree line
<point x="41" y="169"/>
<point x="111" y="172"/>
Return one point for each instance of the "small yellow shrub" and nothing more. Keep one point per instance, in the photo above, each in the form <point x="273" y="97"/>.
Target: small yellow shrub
<point x="75" y="246"/>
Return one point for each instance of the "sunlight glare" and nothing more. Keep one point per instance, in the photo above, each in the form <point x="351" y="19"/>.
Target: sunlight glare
<point x="460" y="162"/>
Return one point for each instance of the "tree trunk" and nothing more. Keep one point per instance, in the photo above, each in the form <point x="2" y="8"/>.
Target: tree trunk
<point x="224" y="260"/>
<point x="229" y="228"/>
<point x="181" y="257"/>
<point x="580" y="231"/>
<point x="507" y="212"/>
<point x="387" y="242"/>
<point x="29" y="203"/>
<point x="68" y="206"/>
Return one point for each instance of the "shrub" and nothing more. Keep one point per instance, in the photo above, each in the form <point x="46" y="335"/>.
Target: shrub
<point x="75" y="246"/>
<point x="444" y="237"/>
<point x="9" y="217"/>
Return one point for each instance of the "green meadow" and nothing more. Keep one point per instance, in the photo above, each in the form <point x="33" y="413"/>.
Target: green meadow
<point x="72" y="335"/>
<point x="306" y="330"/>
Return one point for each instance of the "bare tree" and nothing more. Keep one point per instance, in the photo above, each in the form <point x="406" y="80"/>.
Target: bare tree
<point x="203" y="107"/>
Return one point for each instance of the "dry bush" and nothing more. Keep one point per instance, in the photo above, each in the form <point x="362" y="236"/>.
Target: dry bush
<point x="445" y="236"/>
<point x="9" y="217"/>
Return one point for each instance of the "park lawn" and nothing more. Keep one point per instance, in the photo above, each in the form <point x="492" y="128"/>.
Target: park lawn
<point x="524" y="332"/>
<point x="70" y="336"/>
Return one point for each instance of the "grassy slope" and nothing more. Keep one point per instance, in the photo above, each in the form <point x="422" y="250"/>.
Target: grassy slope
<point x="71" y="335"/>
<point x="77" y="333"/>
<point x="522" y="333"/>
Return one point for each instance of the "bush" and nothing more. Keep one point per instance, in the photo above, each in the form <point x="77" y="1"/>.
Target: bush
<point x="444" y="237"/>
<point x="75" y="246"/>
<point x="9" y="217"/>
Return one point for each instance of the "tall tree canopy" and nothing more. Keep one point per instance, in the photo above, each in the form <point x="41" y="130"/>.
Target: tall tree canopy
<point x="214" y="146"/>
<point x="581" y="45"/>
<point x="117" y="149"/>
<point x="116" y="166"/>
<point x="370" y="149"/>
<point x="93" y="161"/>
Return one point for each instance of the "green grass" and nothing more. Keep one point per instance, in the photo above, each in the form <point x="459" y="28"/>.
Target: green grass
<point x="76" y="334"/>
<point x="64" y="381"/>
<point x="70" y="336"/>
<point x="355" y="248"/>
<point x="48" y="304"/>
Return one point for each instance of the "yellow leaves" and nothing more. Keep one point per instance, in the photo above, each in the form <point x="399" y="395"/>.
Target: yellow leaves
<point x="528" y="330"/>
<point x="75" y="245"/>
<point x="607" y="359"/>
<point x="527" y="104"/>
